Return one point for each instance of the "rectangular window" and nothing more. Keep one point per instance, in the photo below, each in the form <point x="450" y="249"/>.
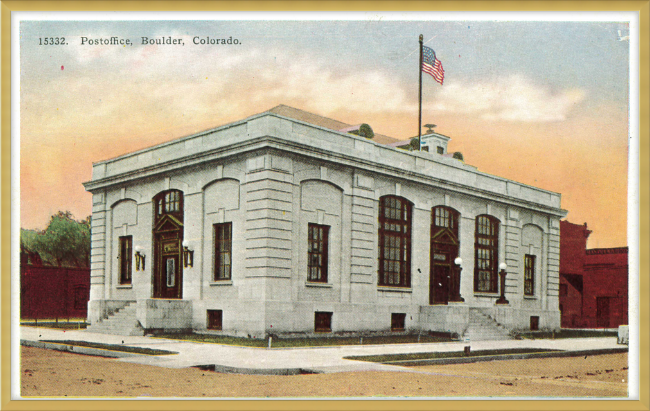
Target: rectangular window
<point x="222" y="251"/>
<point x="397" y="321"/>
<point x="534" y="323"/>
<point x="317" y="251"/>
<point x="126" y="259"/>
<point x="323" y="322"/>
<point x="529" y="274"/>
<point x="171" y="272"/>
<point x="215" y="319"/>
<point x="172" y="201"/>
<point x="442" y="217"/>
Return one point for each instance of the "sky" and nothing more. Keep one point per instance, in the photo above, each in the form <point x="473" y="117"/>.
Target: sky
<point x="544" y="103"/>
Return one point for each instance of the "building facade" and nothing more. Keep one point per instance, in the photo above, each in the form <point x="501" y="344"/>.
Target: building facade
<point x="593" y="282"/>
<point x="276" y="224"/>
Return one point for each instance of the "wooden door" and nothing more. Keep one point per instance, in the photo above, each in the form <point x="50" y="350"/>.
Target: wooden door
<point x="439" y="284"/>
<point x="167" y="270"/>
<point x="440" y="281"/>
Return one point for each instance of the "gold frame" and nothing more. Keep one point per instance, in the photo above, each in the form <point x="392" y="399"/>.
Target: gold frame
<point x="641" y="6"/>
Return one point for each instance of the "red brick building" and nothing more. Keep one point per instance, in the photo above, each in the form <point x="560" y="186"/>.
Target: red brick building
<point x="52" y="293"/>
<point x="606" y="275"/>
<point x="593" y="282"/>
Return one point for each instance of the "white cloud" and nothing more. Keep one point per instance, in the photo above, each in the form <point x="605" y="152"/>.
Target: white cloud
<point x="273" y="75"/>
<point x="153" y="84"/>
<point x="513" y="98"/>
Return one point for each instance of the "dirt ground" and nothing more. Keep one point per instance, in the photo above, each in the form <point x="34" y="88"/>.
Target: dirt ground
<point x="47" y="373"/>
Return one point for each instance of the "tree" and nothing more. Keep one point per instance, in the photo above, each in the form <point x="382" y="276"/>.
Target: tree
<point x="415" y="144"/>
<point x="364" y="131"/>
<point x="64" y="243"/>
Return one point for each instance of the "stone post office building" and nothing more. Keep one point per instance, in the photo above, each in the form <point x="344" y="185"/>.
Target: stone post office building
<point x="279" y="223"/>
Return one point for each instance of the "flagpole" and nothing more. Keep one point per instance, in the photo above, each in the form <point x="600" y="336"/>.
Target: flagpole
<point x="420" y="103"/>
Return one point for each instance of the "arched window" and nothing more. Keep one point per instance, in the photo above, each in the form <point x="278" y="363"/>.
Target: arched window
<point x="486" y="247"/>
<point x="394" y="241"/>
<point x="168" y="202"/>
<point x="445" y="218"/>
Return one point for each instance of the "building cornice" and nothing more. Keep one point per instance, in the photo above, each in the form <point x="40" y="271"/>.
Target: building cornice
<point x="272" y="131"/>
<point x="614" y="250"/>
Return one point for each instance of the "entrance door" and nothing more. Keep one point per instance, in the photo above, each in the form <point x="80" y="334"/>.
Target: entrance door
<point x="167" y="240"/>
<point x="440" y="281"/>
<point x="168" y="279"/>
<point x="439" y="284"/>
<point x="443" y="251"/>
<point x="602" y="312"/>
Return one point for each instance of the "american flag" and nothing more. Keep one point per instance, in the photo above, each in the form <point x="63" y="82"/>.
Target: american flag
<point x="431" y="64"/>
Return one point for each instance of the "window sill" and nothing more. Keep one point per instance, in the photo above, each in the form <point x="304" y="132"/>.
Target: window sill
<point x="394" y="289"/>
<point x="484" y="294"/>
<point x="124" y="286"/>
<point x="530" y="297"/>
<point x="318" y="285"/>
<point x="220" y="282"/>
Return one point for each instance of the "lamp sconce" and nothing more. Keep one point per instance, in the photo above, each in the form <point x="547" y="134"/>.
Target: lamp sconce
<point x="455" y="283"/>
<point x="188" y="255"/>
<point x="139" y="258"/>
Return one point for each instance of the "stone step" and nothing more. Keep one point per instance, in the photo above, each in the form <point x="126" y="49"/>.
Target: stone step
<point x="122" y="322"/>
<point x="483" y="327"/>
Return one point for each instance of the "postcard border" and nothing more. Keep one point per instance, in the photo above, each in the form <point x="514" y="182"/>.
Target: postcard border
<point x="644" y="195"/>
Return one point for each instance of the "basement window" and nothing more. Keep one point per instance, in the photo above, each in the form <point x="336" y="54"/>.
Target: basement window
<point x="323" y="322"/>
<point x="215" y="318"/>
<point x="534" y="323"/>
<point x="397" y="321"/>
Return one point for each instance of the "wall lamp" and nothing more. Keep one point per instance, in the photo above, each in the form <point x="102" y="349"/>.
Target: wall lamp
<point x="139" y="258"/>
<point x="188" y="255"/>
<point x="455" y="281"/>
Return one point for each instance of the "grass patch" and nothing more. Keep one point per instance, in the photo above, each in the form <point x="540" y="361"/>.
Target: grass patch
<point x="391" y="358"/>
<point x="113" y="347"/>
<point x="59" y="325"/>
<point x="308" y="342"/>
<point x="567" y="334"/>
<point x="246" y="342"/>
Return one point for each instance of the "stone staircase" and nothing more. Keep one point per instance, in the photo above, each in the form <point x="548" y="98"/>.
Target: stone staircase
<point x="122" y="322"/>
<point x="482" y="327"/>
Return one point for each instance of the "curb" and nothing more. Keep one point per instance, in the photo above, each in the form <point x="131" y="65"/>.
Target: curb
<point x="100" y="352"/>
<point x="467" y="360"/>
<point x="255" y="371"/>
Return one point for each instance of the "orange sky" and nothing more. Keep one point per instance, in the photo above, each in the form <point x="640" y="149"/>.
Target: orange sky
<point x="590" y="174"/>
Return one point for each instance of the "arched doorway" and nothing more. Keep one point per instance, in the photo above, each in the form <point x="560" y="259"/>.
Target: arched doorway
<point x="444" y="249"/>
<point x="167" y="245"/>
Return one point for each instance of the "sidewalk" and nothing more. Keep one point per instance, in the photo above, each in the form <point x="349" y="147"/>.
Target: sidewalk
<point x="254" y="360"/>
